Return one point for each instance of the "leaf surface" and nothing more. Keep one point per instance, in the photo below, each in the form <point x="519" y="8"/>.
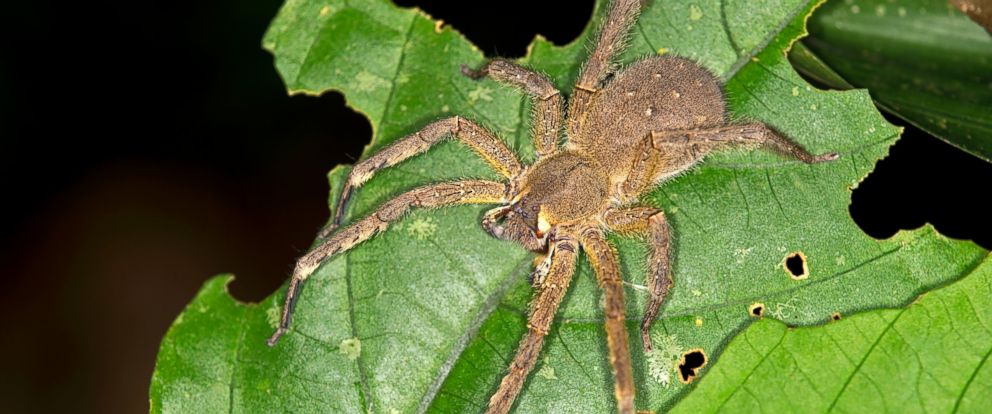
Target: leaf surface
<point x="924" y="61"/>
<point x="425" y="316"/>
<point x="932" y="356"/>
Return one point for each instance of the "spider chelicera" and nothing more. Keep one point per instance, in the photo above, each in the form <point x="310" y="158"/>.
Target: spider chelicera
<point x="625" y="134"/>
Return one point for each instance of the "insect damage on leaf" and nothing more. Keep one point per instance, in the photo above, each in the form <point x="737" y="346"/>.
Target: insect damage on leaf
<point x="690" y="364"/>
<point x="351" y="348"/>
<point x="756" y="310"/>
<point x="795" y="265"/>
<point x="546" y="371"/>
<point x="663" y="359"/>
<point x="421" y="227"/>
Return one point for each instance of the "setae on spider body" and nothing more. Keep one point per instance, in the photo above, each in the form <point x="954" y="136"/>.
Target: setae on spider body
<point x="625" y="135"/>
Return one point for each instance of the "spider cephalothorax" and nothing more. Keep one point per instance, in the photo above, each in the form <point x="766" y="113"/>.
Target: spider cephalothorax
<point x="625" y="135"/>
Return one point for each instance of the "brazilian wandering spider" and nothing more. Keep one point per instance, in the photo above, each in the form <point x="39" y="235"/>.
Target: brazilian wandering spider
<point x="626" y="134"/>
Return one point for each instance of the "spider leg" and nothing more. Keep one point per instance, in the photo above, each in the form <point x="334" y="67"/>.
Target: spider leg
<point x="547" y="113"/>
<point x="542" y="266"/>
<point x="435" y="195"/>
<point x="612" y="36"/>
<point x="604" y="261"/>
<point x="488" y="146"/>
<point x="643" y="173"/>
<point x="659" y="280"/>
<point x="542" y="312"/>
<point x="754" y="134"/>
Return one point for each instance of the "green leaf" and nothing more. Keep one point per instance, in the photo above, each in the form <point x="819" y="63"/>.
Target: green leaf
<point x="813" y="67"/>
<point x="931" y="356"/>
<point x="923" y="61"/>
<point x="425" y="316"/>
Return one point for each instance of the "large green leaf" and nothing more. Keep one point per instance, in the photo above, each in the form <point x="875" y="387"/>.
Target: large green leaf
<point x="922" y="60"/>
<point x="932" y="356"/>
<point x="425" y="316"/>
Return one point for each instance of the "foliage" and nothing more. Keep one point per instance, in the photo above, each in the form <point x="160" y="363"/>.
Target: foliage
<point x="932" y="356"/>
<point x="426" y="316"/>
<point x="922" y="60"/>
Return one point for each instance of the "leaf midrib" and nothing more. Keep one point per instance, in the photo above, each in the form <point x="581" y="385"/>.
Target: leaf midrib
<point x="490" y="304"/>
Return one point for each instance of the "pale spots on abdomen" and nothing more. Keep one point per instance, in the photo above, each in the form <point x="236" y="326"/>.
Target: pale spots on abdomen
<point x="669" y="101"/>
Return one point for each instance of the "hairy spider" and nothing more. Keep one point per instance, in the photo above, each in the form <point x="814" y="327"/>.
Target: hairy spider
<point x="625" y="135"/>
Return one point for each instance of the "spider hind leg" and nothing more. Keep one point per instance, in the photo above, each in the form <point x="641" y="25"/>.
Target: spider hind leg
<point x="607" y="268"/>
<point x="746" y="134"/>
<point x="651" y="222"/>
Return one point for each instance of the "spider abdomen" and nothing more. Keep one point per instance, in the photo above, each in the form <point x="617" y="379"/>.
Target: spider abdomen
<point x="654" y="94"/>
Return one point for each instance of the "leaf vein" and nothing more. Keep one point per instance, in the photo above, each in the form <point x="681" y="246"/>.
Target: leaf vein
<point x="768" y="179"/>
<point x="359" y="361"/>
<point x="747" y="207"/>
<point x="399" y="68"/>
<point x="726" y="29"/>
<point x="576" y="360"/>
<point x="743" y="60"/>
<point x="967" y="384"/>
<point x="231" y="385"/>
<point x="752" y="371"/>
<point x="861" y="363"/>
<point x="471" y="332"/>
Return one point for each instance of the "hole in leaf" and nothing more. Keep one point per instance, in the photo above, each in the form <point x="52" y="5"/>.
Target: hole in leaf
<point x="756" y="310"/>
<point x="889" y="198"/>
<point x="835" y="316"/>
<point x="689" y="365"/>
<point x="795" y="265"/>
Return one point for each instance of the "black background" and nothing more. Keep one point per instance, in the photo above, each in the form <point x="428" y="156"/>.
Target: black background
<point x="146" y="147"/>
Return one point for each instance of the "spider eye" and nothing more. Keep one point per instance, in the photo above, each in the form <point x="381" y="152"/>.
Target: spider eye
<point x="528" y="212"/>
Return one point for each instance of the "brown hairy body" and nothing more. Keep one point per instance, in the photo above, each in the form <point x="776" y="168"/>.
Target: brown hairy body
<point x="651" y="121"/>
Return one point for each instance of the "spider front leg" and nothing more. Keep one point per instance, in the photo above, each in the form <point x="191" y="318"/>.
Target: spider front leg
<point x="650" y="221"/>
<point x="563" y="251"/>
<point x="547" y="113"/>
<point x="488" y="146"/>
<point x="604" y="261"/>
<point x="754" y="133"/>
<point x="436" y="195"/>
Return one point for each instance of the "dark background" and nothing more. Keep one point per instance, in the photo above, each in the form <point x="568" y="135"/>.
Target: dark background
<point x="146" y="147"/>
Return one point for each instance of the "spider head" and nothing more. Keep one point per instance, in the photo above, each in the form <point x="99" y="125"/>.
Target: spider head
<point x="518" y="222"/>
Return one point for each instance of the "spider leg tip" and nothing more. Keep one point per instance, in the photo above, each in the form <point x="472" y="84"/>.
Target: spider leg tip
<point x="472" y="73"/>
<point x="271" y="342"/>
<point x="830" y="156"/>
